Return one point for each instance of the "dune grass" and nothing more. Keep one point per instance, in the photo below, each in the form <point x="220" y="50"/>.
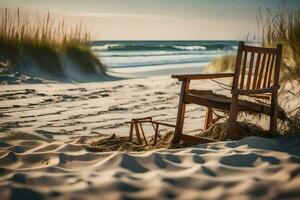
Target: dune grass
<point x="283" y="28"/>
<point x="224" y="63"/>
<point x="18" y="29"/>
<point x="44" y="39"/>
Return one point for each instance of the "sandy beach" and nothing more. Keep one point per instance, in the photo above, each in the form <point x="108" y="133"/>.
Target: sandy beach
<point x="34" y="167"/>
<point x="89" y="109"/>
<point x="91" y="93"/>
<point x="46" y="130"/>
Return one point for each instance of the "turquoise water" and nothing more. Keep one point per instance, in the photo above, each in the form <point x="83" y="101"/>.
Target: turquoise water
<point x="152" y="58"/>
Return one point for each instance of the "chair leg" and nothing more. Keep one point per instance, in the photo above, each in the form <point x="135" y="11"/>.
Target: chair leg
<point x="232" y="122"/>
<point x="208" y="118"/>
<point x="156" y="134"/>
<point x="131" y="131"/>
<point x="273" y="116"/>
<point x="181" y="112"/>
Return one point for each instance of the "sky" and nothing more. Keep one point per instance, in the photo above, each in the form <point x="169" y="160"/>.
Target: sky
<point x="159" y="19"/>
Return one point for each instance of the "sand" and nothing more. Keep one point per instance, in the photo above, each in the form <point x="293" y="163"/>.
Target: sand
<point x="34" y="167"/>
<point x="46" y="132"/>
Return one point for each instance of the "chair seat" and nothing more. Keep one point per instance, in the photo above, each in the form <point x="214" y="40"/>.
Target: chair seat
<point x="218" y="101"/>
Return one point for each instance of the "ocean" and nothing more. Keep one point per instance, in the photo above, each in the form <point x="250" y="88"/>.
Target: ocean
<point x="153" y="58"/>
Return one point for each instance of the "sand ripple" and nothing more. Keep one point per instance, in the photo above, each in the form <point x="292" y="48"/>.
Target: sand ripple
<point x="247" y="169"/>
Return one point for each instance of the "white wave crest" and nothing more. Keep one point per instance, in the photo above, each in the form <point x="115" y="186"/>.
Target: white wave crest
<point x="190" y="48"/>
<point x="105" y="47"/>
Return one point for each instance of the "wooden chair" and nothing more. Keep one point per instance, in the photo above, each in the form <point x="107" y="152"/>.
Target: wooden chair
<point x="256" y="74"/>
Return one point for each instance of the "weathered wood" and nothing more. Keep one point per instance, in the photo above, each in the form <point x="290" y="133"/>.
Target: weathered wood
<point x="146" y="143"/>
<point x="260" y="96"/>
<point x="194" y="139"/>
<point x="261" y="70"/>
<point x="208" y="118"/>
<point x="255" y="91"/>
<point x="265" y="74"/>
<point x="131" y="131"/>
<point x="263" y="50"/>
<point x="238" y="65"/>
<point x="201" y="76"/>
<point x="231" y="129"/>
<point x="222" y="104"/>
<point x="137" y="131"/>
<point x="250" y="71"/>
<point x="271" y="71"/>
<point x="243" y="72"/>
<point x="156" y="134"/>
<point x="181" y="112"/>
<point x="255" y="76"/>
<point x="164" y="124"/>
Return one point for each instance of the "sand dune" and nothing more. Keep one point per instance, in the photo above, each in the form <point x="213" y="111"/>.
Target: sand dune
<point x="33" y="167"/>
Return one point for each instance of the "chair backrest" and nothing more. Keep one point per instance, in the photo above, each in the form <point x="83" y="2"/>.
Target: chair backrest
<point x="256" y="67"/>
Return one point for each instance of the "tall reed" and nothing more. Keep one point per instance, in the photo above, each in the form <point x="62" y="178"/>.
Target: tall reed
<point x="16" y="28"/>
<point x="283" y="28"/>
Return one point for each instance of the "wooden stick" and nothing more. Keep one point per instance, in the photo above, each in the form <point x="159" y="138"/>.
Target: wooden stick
<point x="131" y="131"/>
<point x="146" y="143"/>
<point x="156" y="134"/>
<point x="137" y="131"/>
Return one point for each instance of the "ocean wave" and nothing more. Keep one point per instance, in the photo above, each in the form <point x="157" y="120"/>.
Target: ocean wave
<point x="190" y="48"/>
<point x="156" y="62"/>
<point x="159" y="47"/>
<point x="157" y="54"/>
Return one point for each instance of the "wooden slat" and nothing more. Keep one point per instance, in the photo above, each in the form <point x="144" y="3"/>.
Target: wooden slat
<point x="194" y="139"/>
<point x="270" y="71"/>
<point x="207" y="102"/>
<point x="243" y="72"/>
<point x="260" y="49"/>
<point x="265" y="74"/>
<point x="250" y="71"/>
<point x="260" y="73"/>
<point x="255" y="91"/>
<point x="256" y="71"/>
<point x="237" y="68"/>
<point x="201" y="76"/>
<point x="181" y="111"/>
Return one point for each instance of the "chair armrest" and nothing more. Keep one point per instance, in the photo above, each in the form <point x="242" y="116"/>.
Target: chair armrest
<point x="255" y="91"/>
<point x="181" y="77"/>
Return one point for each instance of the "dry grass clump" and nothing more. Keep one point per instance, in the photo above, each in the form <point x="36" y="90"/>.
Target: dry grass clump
<point x="43" y="40"/>
<point x="16" y="28"/>
<point x="224" y="63"/>
<point x="116" y="143"/>
<point x="218" y="131"/>
<point x="283" y="28"/>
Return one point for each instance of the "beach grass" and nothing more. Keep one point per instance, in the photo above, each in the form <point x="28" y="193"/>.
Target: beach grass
<point x="44" y="40"/>
<point x="283" y="28"/>
<point x="224" y="63"/>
